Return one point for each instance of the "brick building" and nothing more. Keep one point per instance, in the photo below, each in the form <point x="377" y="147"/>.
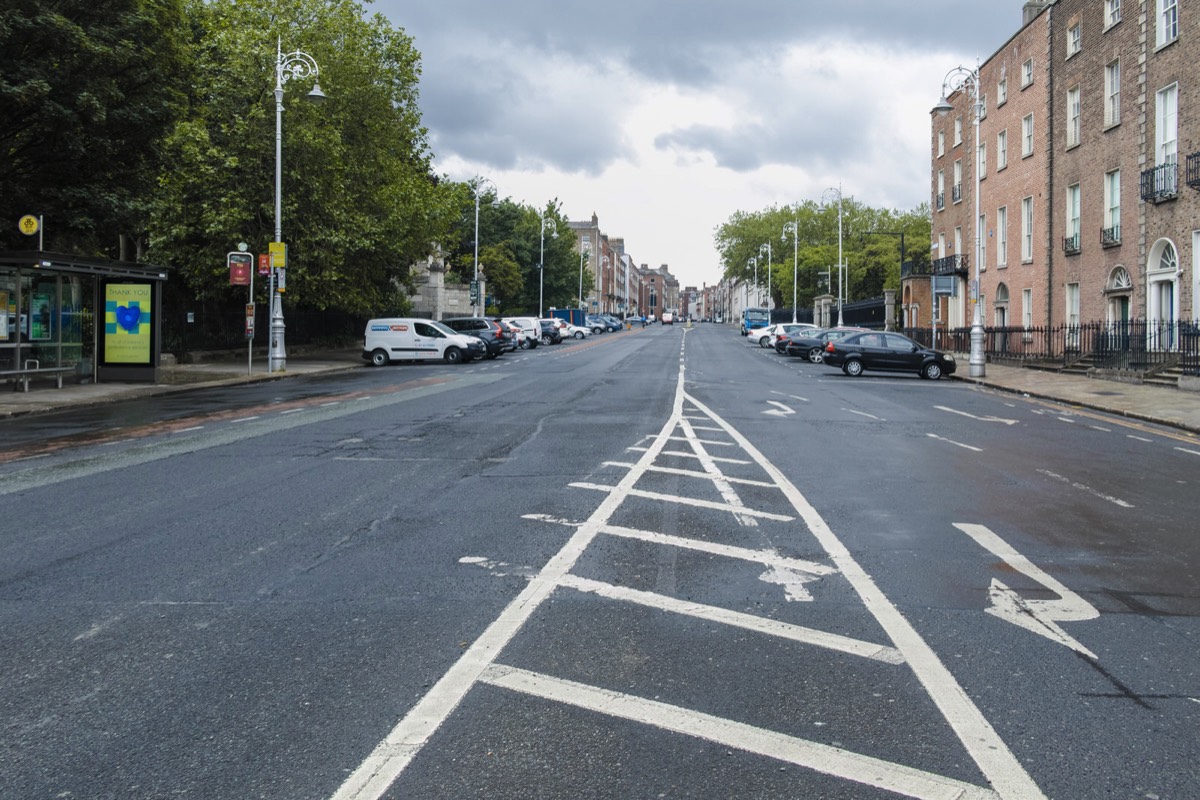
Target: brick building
<point x="1086" y="211"/>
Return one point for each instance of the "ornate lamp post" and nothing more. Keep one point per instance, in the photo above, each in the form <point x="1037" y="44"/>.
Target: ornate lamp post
<point x="480" y="184"/>
<point x="837" y="192"/>
<point x="794" y="229"/>
<point x="753" y="261"/>
<point x="547" y="222"/>
<point x="957" y="79"/>
<point x="584" y="252"/>
<point x="292" y="65"/>
<point x="767" y="247"/>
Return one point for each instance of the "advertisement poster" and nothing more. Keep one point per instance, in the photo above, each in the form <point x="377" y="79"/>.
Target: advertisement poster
<point x="127" y="323"/>
<point x="40" y="316"/>
<point x="3" y="316"/>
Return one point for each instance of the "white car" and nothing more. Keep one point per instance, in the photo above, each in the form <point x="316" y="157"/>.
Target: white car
<point x="575" y="331"/>
<point x="768" y="336"/>
<point x="531" y="331"/>
<point x="410" y="339"/>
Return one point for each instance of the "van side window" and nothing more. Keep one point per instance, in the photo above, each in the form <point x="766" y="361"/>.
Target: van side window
<point x="429" y="331"/>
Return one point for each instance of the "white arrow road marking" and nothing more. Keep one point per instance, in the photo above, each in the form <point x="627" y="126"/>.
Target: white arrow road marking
<point x="1038" y="616"/>
<point x="972" y="416"/>
<point x="792" y="583"/>
<point x="780" y="409"/>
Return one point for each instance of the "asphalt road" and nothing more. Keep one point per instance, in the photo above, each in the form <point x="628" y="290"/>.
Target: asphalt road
<point x="666" y="563"/>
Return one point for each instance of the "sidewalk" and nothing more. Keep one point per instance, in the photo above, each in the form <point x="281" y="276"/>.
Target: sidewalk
<point x="1165" y="406"/>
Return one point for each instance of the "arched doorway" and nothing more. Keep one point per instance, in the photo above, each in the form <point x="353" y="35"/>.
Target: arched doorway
<point x="1162" y="295"/>
<point x="1000" y="313"/>
<point x="1119" y="289"/>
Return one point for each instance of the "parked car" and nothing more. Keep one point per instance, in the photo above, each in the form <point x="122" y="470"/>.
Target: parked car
<point x="668" y="318"/>
<point x="576" y="332"/>
<point x="598" y="324"/>
<point x="550" y="332"/>
<point x="497" y="339"/>
<point x="770" y="334"/>
<point x="812" y="346"/>
<point x="880" y="350"/>
<point x="531" y="332"/>
<point x="409" y="339"/>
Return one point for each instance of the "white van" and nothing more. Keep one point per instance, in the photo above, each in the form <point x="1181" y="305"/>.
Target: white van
<point x="407" y="339"/>
<point x="531" y="332"/>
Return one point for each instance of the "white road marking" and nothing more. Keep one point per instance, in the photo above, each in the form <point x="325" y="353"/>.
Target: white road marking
<point x="687" y="501"/>
<point x="1065" y="419"/>
<point x="701" y="441"/>
<point x="818" y="757"/>
<point x="767" y="557"/>
<point x="245" y="419"/>
<point x="865" y="414"/>
<point x="972" y="416"/>
<point x="780" y="409"/>
<point x="97" y="627"/>
<point x="189" y="430"/>
<point x="1088" y="489"/>
<point x="1139" y="438"/>
<point x="956" y="444"/>
<point x="791" y="581"/>
<point x="548" y="518"/>
<point x="691" y="473"/>
<point x="1039" y="616"/>
<point x="293" y="411"/>
<point x="1185" y="450"/>
<point x="736" y="619"/>
<point x="1098" y="428"/>
<point x="723" y="486"/>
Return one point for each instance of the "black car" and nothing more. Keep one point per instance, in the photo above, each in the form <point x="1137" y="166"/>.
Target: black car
<point x="887" y="351"/>
<point x="496" y="338"/>
<point x="550" y="332"/>
<point x="812" y="344"/>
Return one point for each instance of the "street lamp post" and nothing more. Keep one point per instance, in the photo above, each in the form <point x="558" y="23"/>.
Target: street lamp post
<point x="753" y="261"/>
<point x="958" y="79"/>
<point x="293" y="65"/>
<point x="546" y="222"/>
<point x="584" y="251"/>
<point x="480" y="183"/>
<point x="840" y="266"/>
<point x="793" y="228"/>
<point x="767" y="247"/>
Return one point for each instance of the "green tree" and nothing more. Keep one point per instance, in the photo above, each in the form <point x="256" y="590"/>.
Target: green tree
<point x="503" y="275"/>
<point x="87" y="92"/>
<point x="359" y="202"/>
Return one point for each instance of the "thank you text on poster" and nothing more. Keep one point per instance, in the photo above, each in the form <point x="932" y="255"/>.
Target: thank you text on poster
<point x="127" y="323"/>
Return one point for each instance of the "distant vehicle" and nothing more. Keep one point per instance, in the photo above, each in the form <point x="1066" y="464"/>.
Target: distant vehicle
<point x="887" y="351"/>
<point x="496" y="338"/>
<point x="668" y="318"/>
<point x="770" y="334"/>
<point x="407" y="339"/>
<point x="812" y="344"/>
<point x="531" y="332"/>
<point x="754" y="318"/>
<point x="550" y="332"/>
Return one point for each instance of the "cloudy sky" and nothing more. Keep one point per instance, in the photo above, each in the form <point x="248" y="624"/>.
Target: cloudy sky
<point x="666" y="117"/>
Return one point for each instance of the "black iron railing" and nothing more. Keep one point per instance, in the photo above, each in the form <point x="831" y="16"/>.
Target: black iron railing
<point x="1110" y="236"/>
<point x="950" y="265"/>
<point x="941" y="200"/>
<point x="1160" y="183"/>
<point x="956" y="193"/>
<point x="1193" y="170"/>
<point x="1071" y="245"/>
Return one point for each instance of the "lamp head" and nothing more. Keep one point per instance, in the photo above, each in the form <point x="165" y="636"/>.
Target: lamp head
<point x="316" y="96"/>
<point x="943" y="107"/>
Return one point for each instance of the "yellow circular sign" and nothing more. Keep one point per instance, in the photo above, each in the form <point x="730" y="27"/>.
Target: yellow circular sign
<point x="28" y="225"/>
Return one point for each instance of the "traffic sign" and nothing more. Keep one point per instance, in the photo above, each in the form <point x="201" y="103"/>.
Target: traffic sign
<point x="239" y="268"/>
<point x="28" y="224"/>
<point x="278" y="251"/>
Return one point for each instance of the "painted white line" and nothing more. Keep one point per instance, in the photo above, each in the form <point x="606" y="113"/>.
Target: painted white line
<point x="972" y="416"/>
<point x="723" y="487"/>
<point x="1088" y="489"/>
<point x="766" y="557"/>
<point x="691" y="473"/>
<point x="555" y="520"/>
<point x="864" y="414"/>
<point x="1139" y="438"/>
<point x="1098" y="428"/>
<point x="245" y="419"/>
<point x="293" y="411"/>
<point x="687" y="501"/>
<point x="1038" y="616"/>
<point x="977" y="735"/>
<point x="956" y="444"/>
<point x="705" y="428"/>
<point x="376" y="773"/>
<point x="736" y="619"/>
<point x="1065" y="419"/>
<point x="700" y="441"/>
<point x="1185" y="450"/>
<point x="780" y="409"/>
<point x="189" y="430"/>
<point x="818" y="757"/>
<point x="715" y="459"/>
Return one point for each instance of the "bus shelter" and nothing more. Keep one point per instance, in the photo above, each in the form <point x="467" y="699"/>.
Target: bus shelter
<point x="90" y="319"/>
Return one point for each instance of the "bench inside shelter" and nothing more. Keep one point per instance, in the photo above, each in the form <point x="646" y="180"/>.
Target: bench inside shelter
<point x="32" y="369"/>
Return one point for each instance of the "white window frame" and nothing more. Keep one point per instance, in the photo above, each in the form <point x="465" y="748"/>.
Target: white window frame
<point x="1112" y="93"/>
<point x="958" y="131"/>
<point x="1001" y="91"/>
<point x="1166" y="27"/>
<point x="958" y="180"/>
<point x="1027" y="308"/>
<point x="1166" y="125"/>
<point x="958" y="239"/>
<point x="1027" y="136"/>
<point x="1026" y="229"/>
<point x="1002" y="236"/>
<point x="1071" y="298"/>
<point x="941" y="143"/>
<point x="1112" y="201"/>
<point x="940" y="199"/>
<point x="1112" y="13"/>
<point x="1027" y="73"/>
<point x="1074" y="39"/>
<point x="982" y="160"/>
<point x="1002" y="149"/>
<point x="1073" y="111"/>
<point x="1072" y="209"/>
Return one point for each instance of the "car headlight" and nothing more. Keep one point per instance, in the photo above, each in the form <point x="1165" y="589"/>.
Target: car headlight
<point x="947" y="356"/>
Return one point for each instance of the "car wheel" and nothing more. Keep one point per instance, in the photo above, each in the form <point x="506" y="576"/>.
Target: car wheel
<point x="379" y="358"/>
<point x="533" y="343"/>
<point x="853" y="367"/>
<point x="546" y="340"/>
<point x="578" y="334"/>
<point x="452" y="355"/>
<point x="523" y="344"/>
<point x="597" y="330"/>
<point x="932" y="371"/>
<point x="763" y="341"/>
<point x="815" y="355"/>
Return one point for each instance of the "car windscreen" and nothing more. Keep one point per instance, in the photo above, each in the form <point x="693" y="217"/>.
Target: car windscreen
<point x="444" y="329"/>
